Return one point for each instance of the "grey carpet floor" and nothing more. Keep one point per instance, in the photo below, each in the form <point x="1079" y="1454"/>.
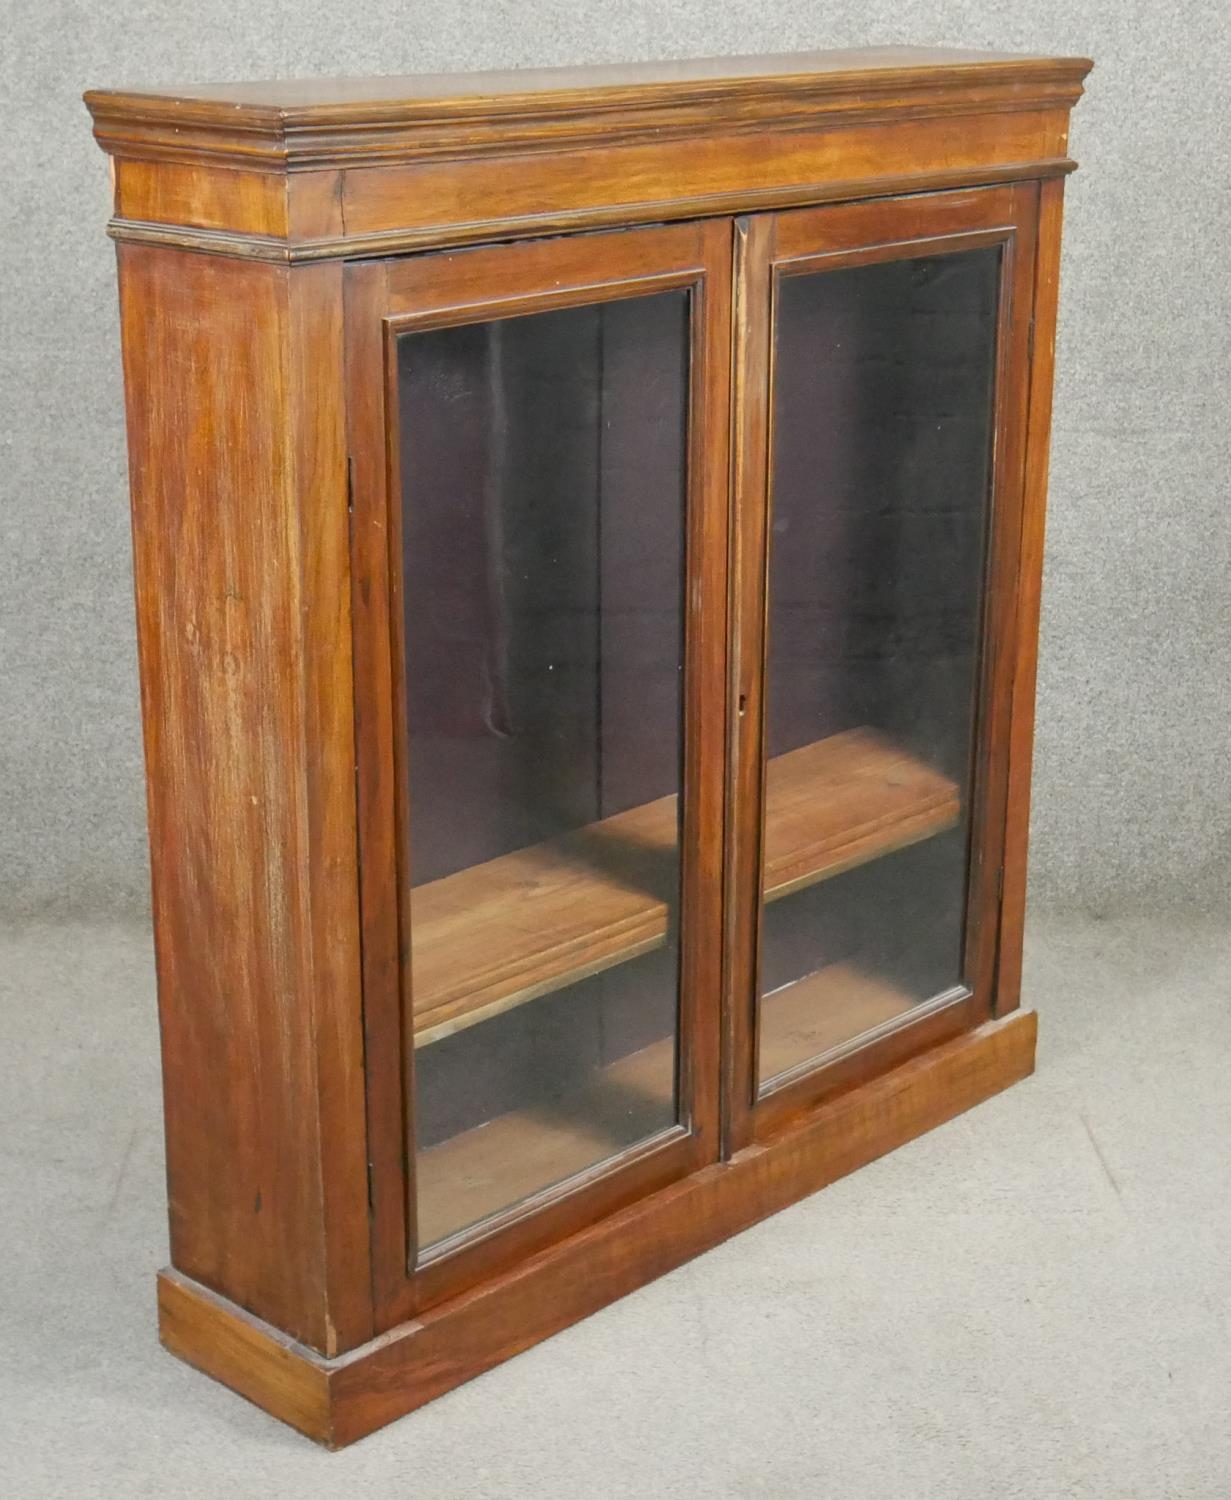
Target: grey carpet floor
<point x="1034" y="1300"/>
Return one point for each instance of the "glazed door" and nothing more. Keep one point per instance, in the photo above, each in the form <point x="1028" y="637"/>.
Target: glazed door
<point x="540" y="487"/>
<point x="882" y="353"/>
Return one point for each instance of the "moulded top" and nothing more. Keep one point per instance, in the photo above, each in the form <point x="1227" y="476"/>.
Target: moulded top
<point x="309" y="121"/>
<point x="839" y="67"/>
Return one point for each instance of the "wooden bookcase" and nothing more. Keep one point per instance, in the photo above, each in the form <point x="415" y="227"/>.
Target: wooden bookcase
<point x="588" y="531"/>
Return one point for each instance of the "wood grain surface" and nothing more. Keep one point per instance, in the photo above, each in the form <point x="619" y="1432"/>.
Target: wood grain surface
<point x="239" y="525"/>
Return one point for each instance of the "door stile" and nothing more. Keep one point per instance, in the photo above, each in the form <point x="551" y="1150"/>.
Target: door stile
<point x="366" y="294"/>
<point x="752" y="382"/>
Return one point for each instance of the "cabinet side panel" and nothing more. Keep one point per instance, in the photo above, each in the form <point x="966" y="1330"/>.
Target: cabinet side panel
<point x="1025" y="670"/>
<point x="222" y="644"/>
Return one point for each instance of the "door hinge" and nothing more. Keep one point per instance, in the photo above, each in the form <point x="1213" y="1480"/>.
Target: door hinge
<point x="350" y="484"/>
<point x="371" y="1189"/>
<point x="1030" y="341"/>
<point x="1000" y="885"/>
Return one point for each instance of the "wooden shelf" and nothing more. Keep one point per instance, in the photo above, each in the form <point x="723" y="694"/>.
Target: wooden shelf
<point x="483" y="1170"/>
<point x="803" y="1020"/>
<point x="480" y="1171"/>
<point x="502" y="933"/>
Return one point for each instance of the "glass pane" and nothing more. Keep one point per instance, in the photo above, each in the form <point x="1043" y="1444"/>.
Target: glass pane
<point x="882" y="431"/>
<point x="543" y="473"/>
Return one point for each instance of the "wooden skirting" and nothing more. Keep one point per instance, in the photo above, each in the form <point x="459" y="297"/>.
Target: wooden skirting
<point x="338" y="1400"/>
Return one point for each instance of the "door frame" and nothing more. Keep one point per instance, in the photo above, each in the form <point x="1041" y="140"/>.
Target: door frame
<point x="768" y="247"/>
<point x="384" y="299"/>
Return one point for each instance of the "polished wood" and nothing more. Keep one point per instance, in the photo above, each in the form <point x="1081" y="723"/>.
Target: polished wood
<point x="426" y="1356"/>
<point x="288" y="1379"/>
<point x="318" y="121"/>
<point x="842" y="801"/>
<point x="243" y="626"/>
<point x="387" y="1067"/>
<point x="499" y="934"/>
<point x="260" y="321"/>
<point x="746" y="760"/>
<point x="413" y="207"/>
<point x="374" y="166"/>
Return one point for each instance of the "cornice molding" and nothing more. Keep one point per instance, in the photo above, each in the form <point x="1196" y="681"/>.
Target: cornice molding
<point x="395" y="121"/>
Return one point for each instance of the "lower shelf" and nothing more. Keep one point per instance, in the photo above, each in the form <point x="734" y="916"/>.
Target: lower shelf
<point x="478" y="1172"/>
<point x="338" y="1400"/>
<point x="493" y="1166"/>
<point x="821" y="1011"/>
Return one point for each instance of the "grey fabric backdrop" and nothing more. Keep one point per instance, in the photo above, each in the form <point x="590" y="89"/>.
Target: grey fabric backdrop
<point x="1133" y="793"/>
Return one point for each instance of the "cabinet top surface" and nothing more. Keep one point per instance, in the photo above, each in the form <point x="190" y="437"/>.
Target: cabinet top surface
<point x="842" y="70"/>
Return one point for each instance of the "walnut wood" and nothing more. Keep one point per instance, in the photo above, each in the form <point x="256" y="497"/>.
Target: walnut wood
<point x="426" y="1356"/>
<point x="408" y="207"/>
<point x="387" y="1068"/>
<point x="780" y="181"/>
<point x="499" y="934"/>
